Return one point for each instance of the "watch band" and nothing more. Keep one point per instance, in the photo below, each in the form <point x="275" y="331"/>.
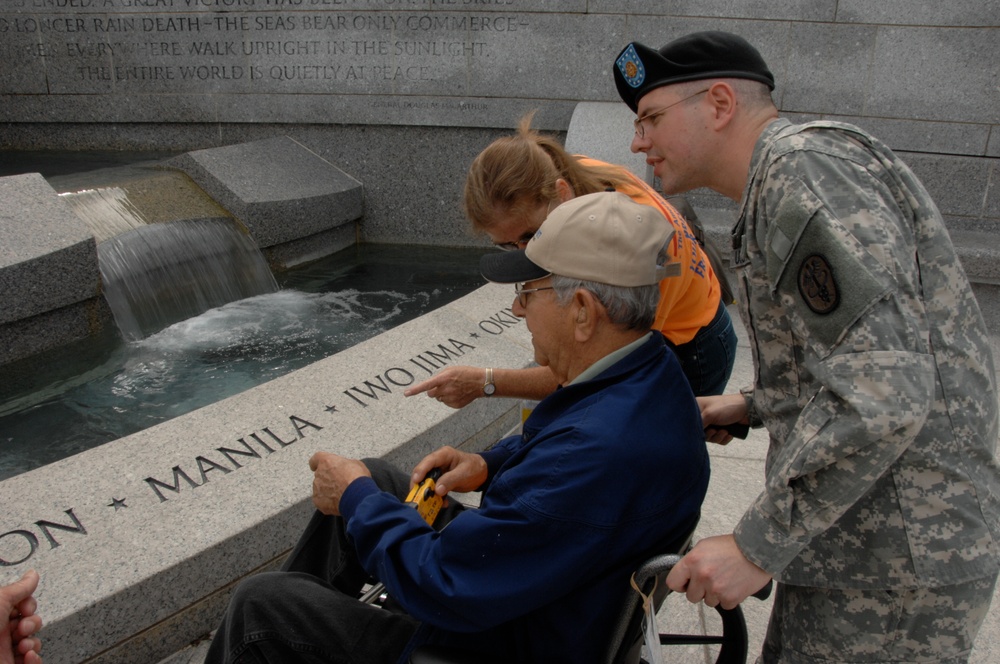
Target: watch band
<point x="489" y="387"/>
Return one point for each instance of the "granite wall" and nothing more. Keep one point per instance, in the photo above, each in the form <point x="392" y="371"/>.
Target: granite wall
<point x="401" y="94"/>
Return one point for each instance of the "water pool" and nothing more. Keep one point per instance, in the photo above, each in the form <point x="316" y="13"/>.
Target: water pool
<point x="81" y="397"/>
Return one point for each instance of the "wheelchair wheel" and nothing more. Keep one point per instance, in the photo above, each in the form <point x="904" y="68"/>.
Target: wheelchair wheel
<point x="724" y="635"/>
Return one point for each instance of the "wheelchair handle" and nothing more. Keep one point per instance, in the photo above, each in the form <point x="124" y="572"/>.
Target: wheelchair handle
<point x="668" y="562"/>
<point x="764" y="592"/>
<point x="736" y="430"/>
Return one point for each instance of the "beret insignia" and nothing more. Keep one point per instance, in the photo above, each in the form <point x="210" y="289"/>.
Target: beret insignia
<point x="631" y="67"/>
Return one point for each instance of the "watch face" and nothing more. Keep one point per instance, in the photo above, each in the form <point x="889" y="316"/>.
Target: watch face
<point x="489" y="389"/>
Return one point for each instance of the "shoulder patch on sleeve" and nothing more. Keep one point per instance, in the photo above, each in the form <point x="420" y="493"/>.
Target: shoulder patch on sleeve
<point x="818" y="285"/>
<point x="814" y="259"/>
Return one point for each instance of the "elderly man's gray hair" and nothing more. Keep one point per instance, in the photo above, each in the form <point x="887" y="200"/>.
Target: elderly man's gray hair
<point x="630" y="308"/>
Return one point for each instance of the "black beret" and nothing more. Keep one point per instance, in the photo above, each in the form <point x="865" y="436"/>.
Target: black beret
<point x="699" y="55"/>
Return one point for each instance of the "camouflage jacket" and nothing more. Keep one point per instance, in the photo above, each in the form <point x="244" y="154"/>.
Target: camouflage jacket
<point x="873" y="371"/>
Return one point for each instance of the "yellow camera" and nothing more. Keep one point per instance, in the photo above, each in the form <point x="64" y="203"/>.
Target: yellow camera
<point x="423" y="498"/>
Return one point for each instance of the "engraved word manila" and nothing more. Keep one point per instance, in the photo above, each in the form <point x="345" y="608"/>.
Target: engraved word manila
<point x="144" y="489"/>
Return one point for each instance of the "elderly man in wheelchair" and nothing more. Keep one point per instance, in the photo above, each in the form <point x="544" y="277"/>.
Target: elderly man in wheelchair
<point x="607" y="471"/>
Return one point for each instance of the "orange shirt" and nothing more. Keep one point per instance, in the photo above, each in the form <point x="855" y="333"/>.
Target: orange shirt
<point x="687" y="302"/>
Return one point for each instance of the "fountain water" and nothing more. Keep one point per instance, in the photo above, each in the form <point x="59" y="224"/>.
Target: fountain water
<point x="201" y="315"/>
<point x="108" y="389"/>
<point x="161" y="273"/>
<point x="106" y="210"/>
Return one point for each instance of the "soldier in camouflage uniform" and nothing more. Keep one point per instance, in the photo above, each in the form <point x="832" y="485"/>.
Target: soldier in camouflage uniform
<point x="880" y="514"/>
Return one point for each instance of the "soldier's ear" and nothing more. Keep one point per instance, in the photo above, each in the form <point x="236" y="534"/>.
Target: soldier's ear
<point x="722" y="99"/>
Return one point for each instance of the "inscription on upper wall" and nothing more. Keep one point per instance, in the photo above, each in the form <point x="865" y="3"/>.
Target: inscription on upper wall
<point x="448" y="49"/>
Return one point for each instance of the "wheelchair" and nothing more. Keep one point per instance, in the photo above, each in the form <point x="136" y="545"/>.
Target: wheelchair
<point x="625" y="645"/>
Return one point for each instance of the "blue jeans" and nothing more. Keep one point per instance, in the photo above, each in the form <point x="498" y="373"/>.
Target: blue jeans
<point x="707" y="360"/>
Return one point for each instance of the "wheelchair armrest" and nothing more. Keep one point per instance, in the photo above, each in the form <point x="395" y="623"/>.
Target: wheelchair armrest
<point x="656" y="566"/>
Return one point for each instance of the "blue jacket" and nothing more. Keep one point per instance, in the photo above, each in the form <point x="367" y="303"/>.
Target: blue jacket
<point x="606" y="473"/>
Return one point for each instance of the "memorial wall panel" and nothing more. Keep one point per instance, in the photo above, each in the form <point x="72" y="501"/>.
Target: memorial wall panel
<point x="438" y="62"/>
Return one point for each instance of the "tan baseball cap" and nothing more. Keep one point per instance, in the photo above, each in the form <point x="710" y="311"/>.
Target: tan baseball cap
<point x="605" y="237"/>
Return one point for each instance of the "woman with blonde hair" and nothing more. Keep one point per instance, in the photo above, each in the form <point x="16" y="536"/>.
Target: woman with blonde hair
<point x="510" y="189"/>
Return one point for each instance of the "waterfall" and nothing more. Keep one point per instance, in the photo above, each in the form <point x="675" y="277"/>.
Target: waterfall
<point x="158" y="274"/>
<point x="107" y="211"/>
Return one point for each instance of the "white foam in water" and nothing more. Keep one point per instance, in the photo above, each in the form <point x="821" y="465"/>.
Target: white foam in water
<point x="162" y="273"/>
<point x="268" y="326"/>
<point x="190" y="364"/>
<point x="325" y="307"/>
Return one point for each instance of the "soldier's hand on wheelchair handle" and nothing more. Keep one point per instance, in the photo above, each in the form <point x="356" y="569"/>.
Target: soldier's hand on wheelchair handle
<point x="736" y="430"/>
<point x="724" y="417"/>
<point x="716" y="571"/>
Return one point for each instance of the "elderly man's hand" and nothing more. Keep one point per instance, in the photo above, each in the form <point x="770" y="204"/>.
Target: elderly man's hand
<point x="461" y="471"/>
<point x="333" y="474"/>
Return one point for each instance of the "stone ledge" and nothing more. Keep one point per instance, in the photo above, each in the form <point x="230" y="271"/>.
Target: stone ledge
<point x="48" y="256"/>
<point x="138" y="534"/>
<point x="277" y="188"/>
<point x="980" y="254"/>
<point x="21" y="341"/>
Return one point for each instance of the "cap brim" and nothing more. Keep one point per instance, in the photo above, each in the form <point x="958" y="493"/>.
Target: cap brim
<point x="510" y="267"/>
